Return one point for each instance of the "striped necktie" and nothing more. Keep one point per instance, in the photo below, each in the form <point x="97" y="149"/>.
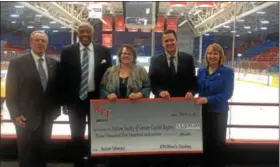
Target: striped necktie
<point x="84" y="77"/>
<point x="42" y="73"/>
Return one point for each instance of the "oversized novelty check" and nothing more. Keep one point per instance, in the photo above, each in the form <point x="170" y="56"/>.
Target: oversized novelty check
<point x="148" y="126"/>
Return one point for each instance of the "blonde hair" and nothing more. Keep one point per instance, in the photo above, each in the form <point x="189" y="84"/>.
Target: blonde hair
<point x="218" y="48"/>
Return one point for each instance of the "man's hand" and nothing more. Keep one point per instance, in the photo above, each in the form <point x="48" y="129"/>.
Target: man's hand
<point x="135" y="96"/>
<point x="65" y="110"/>
<point x="164" y="94"/>
<point x="202" y="100"/>
<point x="20" y="121"/>
<point x="189" y="96"/>
<point x="112" y="97"/>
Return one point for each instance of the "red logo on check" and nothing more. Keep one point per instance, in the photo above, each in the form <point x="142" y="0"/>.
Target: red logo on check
<point x="103" y="111"/>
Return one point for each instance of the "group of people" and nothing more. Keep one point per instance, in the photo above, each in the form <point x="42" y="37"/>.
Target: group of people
<point x="37" y="86"/>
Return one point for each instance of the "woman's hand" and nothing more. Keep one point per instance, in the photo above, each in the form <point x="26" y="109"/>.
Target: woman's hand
<point x="201" y="100"/>
<point x="189" y="96"/>
<point x="112" y="97"/>
<point x="135" y="96"/>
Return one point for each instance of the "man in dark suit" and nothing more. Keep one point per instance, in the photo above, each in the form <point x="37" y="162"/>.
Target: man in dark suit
<point x="30" y="95"/>
<point x="81" y="69"/>
<point x="172" y="74"/>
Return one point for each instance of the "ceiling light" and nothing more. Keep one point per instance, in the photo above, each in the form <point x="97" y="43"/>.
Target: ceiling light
<point x="247" y="27"/>
<point x="207" y="34"/>
<point x="52" y="22"/>
<point x="226" y="26"/>
<point x="63" y="27"/>
<point x="265" y="22"/>
<point x="13" y="22"/>
<point x="237" y="35"/>
<point x="30" y="27"/>
<point x="260" y="12"/>
<point x="38" y="15"/>
<point x="14" y="15"/>
<point x="18" y="6"/>
<point x="263" y="28"/>
<point x="233" y="31"/>
<point x="55" y="30"/>
<point x="45" y="26"/>
<point x="241" y="20"/>
<point x="249" y="32"/>
<point x="147" y="10"/>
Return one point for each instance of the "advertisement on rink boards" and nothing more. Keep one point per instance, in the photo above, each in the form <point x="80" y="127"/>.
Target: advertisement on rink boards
<point x="147" y="126"/>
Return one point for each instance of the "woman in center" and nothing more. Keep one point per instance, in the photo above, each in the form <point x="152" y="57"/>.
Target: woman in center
<point x="125" y="80"/>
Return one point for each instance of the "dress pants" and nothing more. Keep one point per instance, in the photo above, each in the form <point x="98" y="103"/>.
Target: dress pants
<point x="77" y="117"/>
<point x="33" y="145"/>
<point x="214" y="137"/>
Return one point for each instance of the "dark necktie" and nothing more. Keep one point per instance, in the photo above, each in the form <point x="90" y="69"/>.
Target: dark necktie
<point x="172" y="65"/>
<point x="42" y="73"/>
<point x="84" y="78"/>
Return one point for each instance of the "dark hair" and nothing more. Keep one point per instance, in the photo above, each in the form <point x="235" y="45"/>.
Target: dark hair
<point x="170" y="32"/>
<point x="130" y="48"/>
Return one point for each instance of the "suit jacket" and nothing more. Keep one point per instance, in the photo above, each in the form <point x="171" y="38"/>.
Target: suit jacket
<point x="69" y="72"/>
<point x="138" y="81"/>
<point x="178" y="85"/>
<point x="24" y="91"/>
<point x="217" y="87"/>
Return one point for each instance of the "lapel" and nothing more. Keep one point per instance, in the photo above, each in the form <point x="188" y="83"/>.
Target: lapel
<point x="179" y="62"/>
<point x="165" y="62"/>
<point x="50" y="67"/>
<point x="97" y="57"/>
<point x="33" y="69"/>
<point x="77" y="57"/>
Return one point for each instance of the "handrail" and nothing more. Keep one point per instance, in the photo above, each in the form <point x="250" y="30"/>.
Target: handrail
<point x="229" y="140"/>
<point x="228" y="125"/>
<point x="253" y="104"/>
<point x="253" y="126"/>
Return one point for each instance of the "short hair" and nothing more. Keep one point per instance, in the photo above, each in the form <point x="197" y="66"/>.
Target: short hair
<point x="170" y="32"/>
<point x="218" y="48"/>
<point x="39" y="32"/>
<point x="130" y="48"/>
<point x="85" y="24"/>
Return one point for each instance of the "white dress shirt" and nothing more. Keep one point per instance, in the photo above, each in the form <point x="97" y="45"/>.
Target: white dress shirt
<point x="36" y="59"/>
<point x="175" y="60"/>
<point x="90" y="50"/>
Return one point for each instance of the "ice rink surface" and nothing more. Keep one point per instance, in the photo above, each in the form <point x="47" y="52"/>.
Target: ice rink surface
<point x="240" y="115"/>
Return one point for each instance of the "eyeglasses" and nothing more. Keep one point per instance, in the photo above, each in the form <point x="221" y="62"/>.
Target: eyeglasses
<point x="128" y="54"/>
<point x="39" y="40"/>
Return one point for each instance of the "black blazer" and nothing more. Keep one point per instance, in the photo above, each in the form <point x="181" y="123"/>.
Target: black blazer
<point x="69" y="72"/>
<point x="161" y="78"/>
<point x="24" y="91"/>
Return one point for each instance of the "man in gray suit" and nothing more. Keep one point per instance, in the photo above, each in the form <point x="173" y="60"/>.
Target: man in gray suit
<point x="30" y="100"/>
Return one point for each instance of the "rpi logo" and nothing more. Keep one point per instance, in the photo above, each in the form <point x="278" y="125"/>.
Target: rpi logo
<point x="102" y="111"/>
